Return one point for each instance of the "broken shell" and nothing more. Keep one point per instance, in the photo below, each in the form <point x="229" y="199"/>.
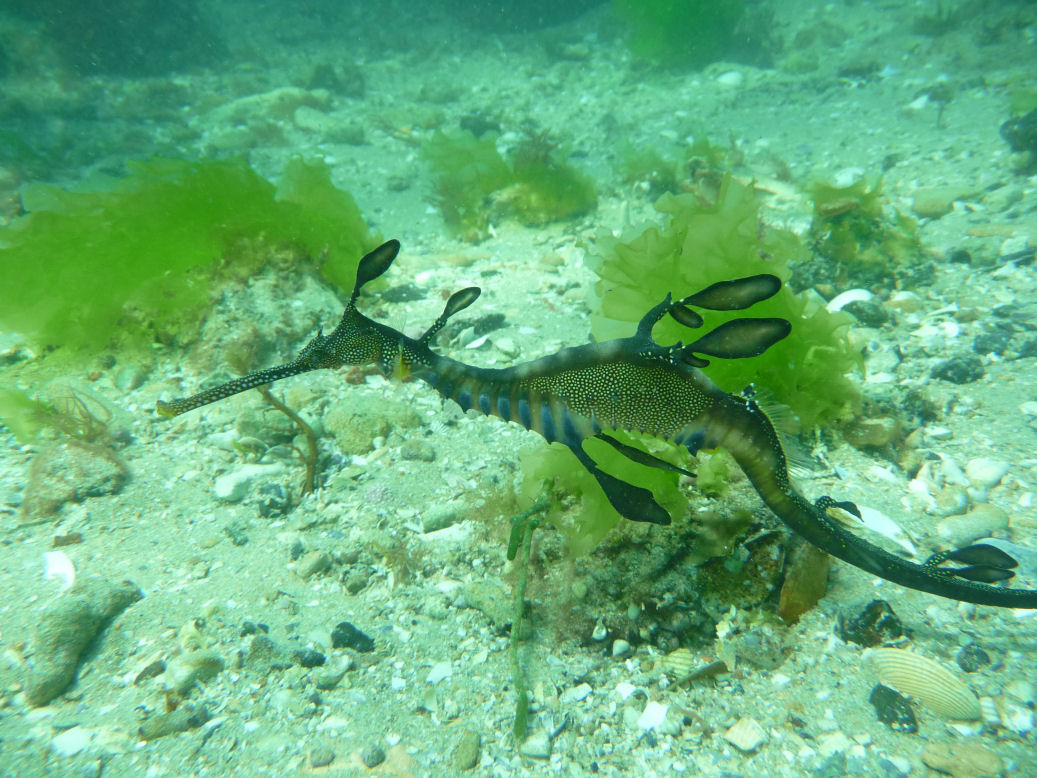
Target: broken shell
<point x="58" y="565"/>
<point x="676" y="664"/>
<point x="927" y="681"/>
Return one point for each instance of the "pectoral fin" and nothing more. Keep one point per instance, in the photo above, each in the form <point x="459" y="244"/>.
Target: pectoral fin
<point x="643" y="457"/>
<point x="631" y="502"/>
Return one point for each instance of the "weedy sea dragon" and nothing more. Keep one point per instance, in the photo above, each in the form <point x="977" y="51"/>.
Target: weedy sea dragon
<point x="636" y="384"/>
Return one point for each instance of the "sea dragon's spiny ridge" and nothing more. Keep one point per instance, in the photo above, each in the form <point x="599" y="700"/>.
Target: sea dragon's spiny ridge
<point x="636" y="384"/>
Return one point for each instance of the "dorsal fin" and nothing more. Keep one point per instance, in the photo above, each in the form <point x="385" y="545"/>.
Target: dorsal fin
<point x="458" y="302"/>
<point x="373" y="265"/>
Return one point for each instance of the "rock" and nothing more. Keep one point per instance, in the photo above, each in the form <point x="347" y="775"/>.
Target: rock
<point x="652" y="716"/>
<point x="962" y="369"/>
<point x="372" y="755"/>
<point x="875" y="625"/>
<point x="66" y="627"/>
<point x="417" y="450"/>
<point x="893" y="709"/>
<point x="972" y="657"/>
<point x="129" y="377"/>
<point x="466" y="752"/>
<point x="981" y="522"/>
<point x="963" y="760"/>
<point x="187" y="716"/>
<point x="312" y="120"/>
<point x="265" y="655"/>
<point x="233" y="486"/>
<point x="72" y="741"/>
<point x="536" y="746"/>
<point x="934" y="202"/>
<point x="313" y="563"/>
<point x="356" y="422"/>
<point x="333" y="673"/>
<point x="321" y="756"/>
<point x="437" y="517"/>
<point x="189" y="668"/>
<point x="746" y="735"/>
<point x="986" y="473"/>
<point x="345" y="635"/>
<point x="70" y="472"/>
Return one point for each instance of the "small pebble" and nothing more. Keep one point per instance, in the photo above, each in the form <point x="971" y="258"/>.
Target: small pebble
<point x="233" y="486"/>
<point x="321" y="756"/>
<point x="536" y="746"/>
<point x="372" y="755"/>
<point x="345" y="635"/>
<point x="746" y="735"/>
<point x="329" y="676"/>
<point x="963" y="760"/>
<point x="71" y="741"/>
<point x="972" y="657"/>
<point x="466" y="752"/>
<point x="313" y="563"/>
<point x="893" y="709"/>
<point x="986" y="473"/>
<point x="962" y="369"/>
<point x="983" y="521"/>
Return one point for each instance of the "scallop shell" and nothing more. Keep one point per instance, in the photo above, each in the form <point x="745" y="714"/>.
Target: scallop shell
<point x="927" y="681"/>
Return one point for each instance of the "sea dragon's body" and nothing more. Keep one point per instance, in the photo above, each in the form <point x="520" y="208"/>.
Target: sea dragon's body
<point x="636" y="384"/>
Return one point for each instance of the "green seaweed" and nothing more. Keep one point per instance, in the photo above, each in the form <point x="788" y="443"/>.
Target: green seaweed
<point x="703" y="242"/>
<point x="680" y="32"/>
<point x="473" y="183"/>
<point x="851" y="228"/>
<point x="547" y="188"/>
<point x="465" y="171"/>
<point x="140" y="261"/>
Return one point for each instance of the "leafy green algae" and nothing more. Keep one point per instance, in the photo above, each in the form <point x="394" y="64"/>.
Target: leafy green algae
<point x="139" y="262"/>
<point x="472" y="182"/>
<point x="703" y="242"/>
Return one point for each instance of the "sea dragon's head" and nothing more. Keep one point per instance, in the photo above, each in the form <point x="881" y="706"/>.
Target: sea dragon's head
<point x="356" y="340"/>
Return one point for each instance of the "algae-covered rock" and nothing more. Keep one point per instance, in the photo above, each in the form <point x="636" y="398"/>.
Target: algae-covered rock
<point x="356" y="422"/>
<point x="66" y="627"/>
<point x="70" y="472"/>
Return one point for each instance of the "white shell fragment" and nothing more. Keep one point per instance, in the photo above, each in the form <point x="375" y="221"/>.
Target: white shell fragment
<point x="843" y="299"/>
<point x="927" y="681"/>
<point x="57" y="565"/>
<point x="878" y="522"/>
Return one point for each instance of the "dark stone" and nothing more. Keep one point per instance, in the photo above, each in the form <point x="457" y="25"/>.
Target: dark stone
<point x="235" y="530"/>
<point x="868" y="312"/>
<point x="962" y="369"/>
<point x="893" y="710"/>
<point x="308" y="657"/>
<point x="296" y="551"/>
<point x="992" y="341"/>
<point x="1021" y="132"/>
<point x="253" y="628"/>
<point x="972" y="657"/>
<point x="1028" y="348"/>
<point x="959" y="256"/>
<point x="372" y="756"/>
<point x="273" y="500"/>
<point x="345" y="635"/>
<point x="876" y="624"/>
<point x="321" y="756"/>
